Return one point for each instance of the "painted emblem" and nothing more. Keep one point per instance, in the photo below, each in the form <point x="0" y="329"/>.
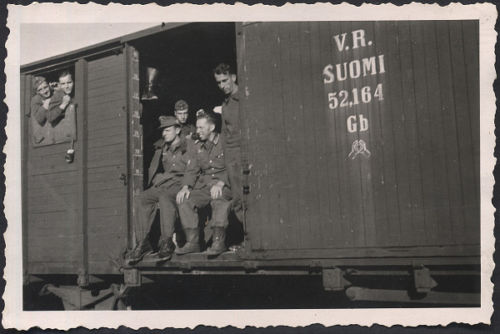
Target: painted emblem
<point x="359" y="147"/>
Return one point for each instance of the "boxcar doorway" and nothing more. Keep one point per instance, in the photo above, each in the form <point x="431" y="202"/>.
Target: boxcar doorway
<point x="178" y="64"/>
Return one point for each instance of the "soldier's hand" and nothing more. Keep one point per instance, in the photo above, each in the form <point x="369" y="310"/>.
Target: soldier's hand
<point x="65" y="101"/>
<point x="216" y="191"/>
<point x="46" y="104"/>
<point x="182" y="194"/>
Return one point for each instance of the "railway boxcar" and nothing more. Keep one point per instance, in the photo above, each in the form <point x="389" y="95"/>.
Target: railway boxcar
<point x="362" y="142"/>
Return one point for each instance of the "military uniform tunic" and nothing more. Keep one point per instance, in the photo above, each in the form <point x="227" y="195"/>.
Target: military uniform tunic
<point x="187" y="130"/>
<point x="231" y="131"/>
<point x="165" y="178"/>
<point x="206" y="168"/>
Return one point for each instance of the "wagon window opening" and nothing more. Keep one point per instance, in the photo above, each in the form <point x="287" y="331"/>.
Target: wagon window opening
<point x="178" y="65"/>
<point x="52" y="109"/>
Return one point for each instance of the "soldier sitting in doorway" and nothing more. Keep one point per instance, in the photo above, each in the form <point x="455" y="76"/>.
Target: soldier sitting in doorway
<point x="204" y="183"/>
<point x="181" y="111"/>
<point x="166" y="173"/>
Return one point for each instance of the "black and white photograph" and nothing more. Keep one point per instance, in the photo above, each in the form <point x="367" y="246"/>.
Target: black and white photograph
<point x="300" y="161"/>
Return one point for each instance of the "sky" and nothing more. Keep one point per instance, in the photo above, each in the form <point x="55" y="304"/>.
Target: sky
<point x="43" y="40"/>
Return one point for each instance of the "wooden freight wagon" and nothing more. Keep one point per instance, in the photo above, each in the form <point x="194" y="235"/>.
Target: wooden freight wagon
<point x="362" y="142"/>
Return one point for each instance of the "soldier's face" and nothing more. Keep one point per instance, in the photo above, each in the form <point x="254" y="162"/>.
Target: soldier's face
<point x="169" y="133"/>
<point x="204" y="128"/>
<point x="66" y="84"/>
<point x="181" y="115"/>
<point x="43" y="90"/>
<point x="226" y="82"/>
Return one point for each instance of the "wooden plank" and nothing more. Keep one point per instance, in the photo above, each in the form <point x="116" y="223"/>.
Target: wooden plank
<point x="106" y="174"/>
<point x="470" y="33"/>
<point x="351" y="169"/>
<point x="103" y="124"/>
<point x="108" y="84"/>
<point x="423" y="132"/>
<point x="385" y="184"/>
<point x="51" y="224"/>
<point x="113" y="224"/>
<point x="45" y="267"/>
<point x="25" y="155"/>
<point x="314" y="227"/>
<point x="52" y="201"/>
<point x="105" y="63"/>
<point x="370" y="168"/>
<point x="106" y="92"/>
<point x="103" y="202"/>
<point x="439" y="191"/>
<point x="116" y="130"/>
<point x="106" y="102"/>
<point x="326" y="177"/>
<point x="101" y="268"/>
<point x="107" y="246"/>
<point x="105" y="141"/>
<point x="383" y="171"/>
<point x="95" y="214"/>
<point x="105" y="156"/>
<point x="265" y="188"/>
<point x="98" y="195"/>
<point x="40" y="182"/>
<point x="369" y="254"/>
<point x="62" y="249"/>
<point x="451" y="135"/>
<point x="41" y="192"/>
<point x="101" y="70"/>
<point x="410" y="128"/>
<point x="305" y="188"/>
<point x="81" y="96"/>
<point x="333" y="130"/>
<point x="53" y="164"/>
<point x="403" y="233"/>
<point x="463" y="121"/>
<point x="47" y="150"/>
<point x="289" y="235"/>
<point x="101" y="78"/>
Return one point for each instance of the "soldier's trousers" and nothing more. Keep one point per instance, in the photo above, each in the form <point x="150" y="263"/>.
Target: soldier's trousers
<point x="147" y="203"/>
<point x="235" y="174"/>
<point x="199" y="198"/>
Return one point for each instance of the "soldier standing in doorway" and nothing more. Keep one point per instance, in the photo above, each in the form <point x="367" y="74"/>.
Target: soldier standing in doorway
<point x="165" y="179"/>
<point x="231" y="132"/>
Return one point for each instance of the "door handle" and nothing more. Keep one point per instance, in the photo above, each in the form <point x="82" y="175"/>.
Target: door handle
<point x="123" y="178"/>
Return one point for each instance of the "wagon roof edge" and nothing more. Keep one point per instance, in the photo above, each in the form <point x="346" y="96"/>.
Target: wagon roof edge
<point x="98" y="47"/>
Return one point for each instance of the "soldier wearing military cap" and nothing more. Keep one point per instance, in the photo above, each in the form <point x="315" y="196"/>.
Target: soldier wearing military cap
<point x="165" y="179"/>
<point x="205" y="183"/>
<point x="181" y="111"/>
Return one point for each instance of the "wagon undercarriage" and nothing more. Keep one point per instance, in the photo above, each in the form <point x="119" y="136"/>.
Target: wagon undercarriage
<point x="390" y="281"/>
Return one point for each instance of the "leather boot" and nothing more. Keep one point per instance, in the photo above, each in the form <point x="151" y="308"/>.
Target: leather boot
<point x="218" y="242"/>
<point x="192" y="242"/>
<point x="142" y="249"/>
<point x="166" y="249"/>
